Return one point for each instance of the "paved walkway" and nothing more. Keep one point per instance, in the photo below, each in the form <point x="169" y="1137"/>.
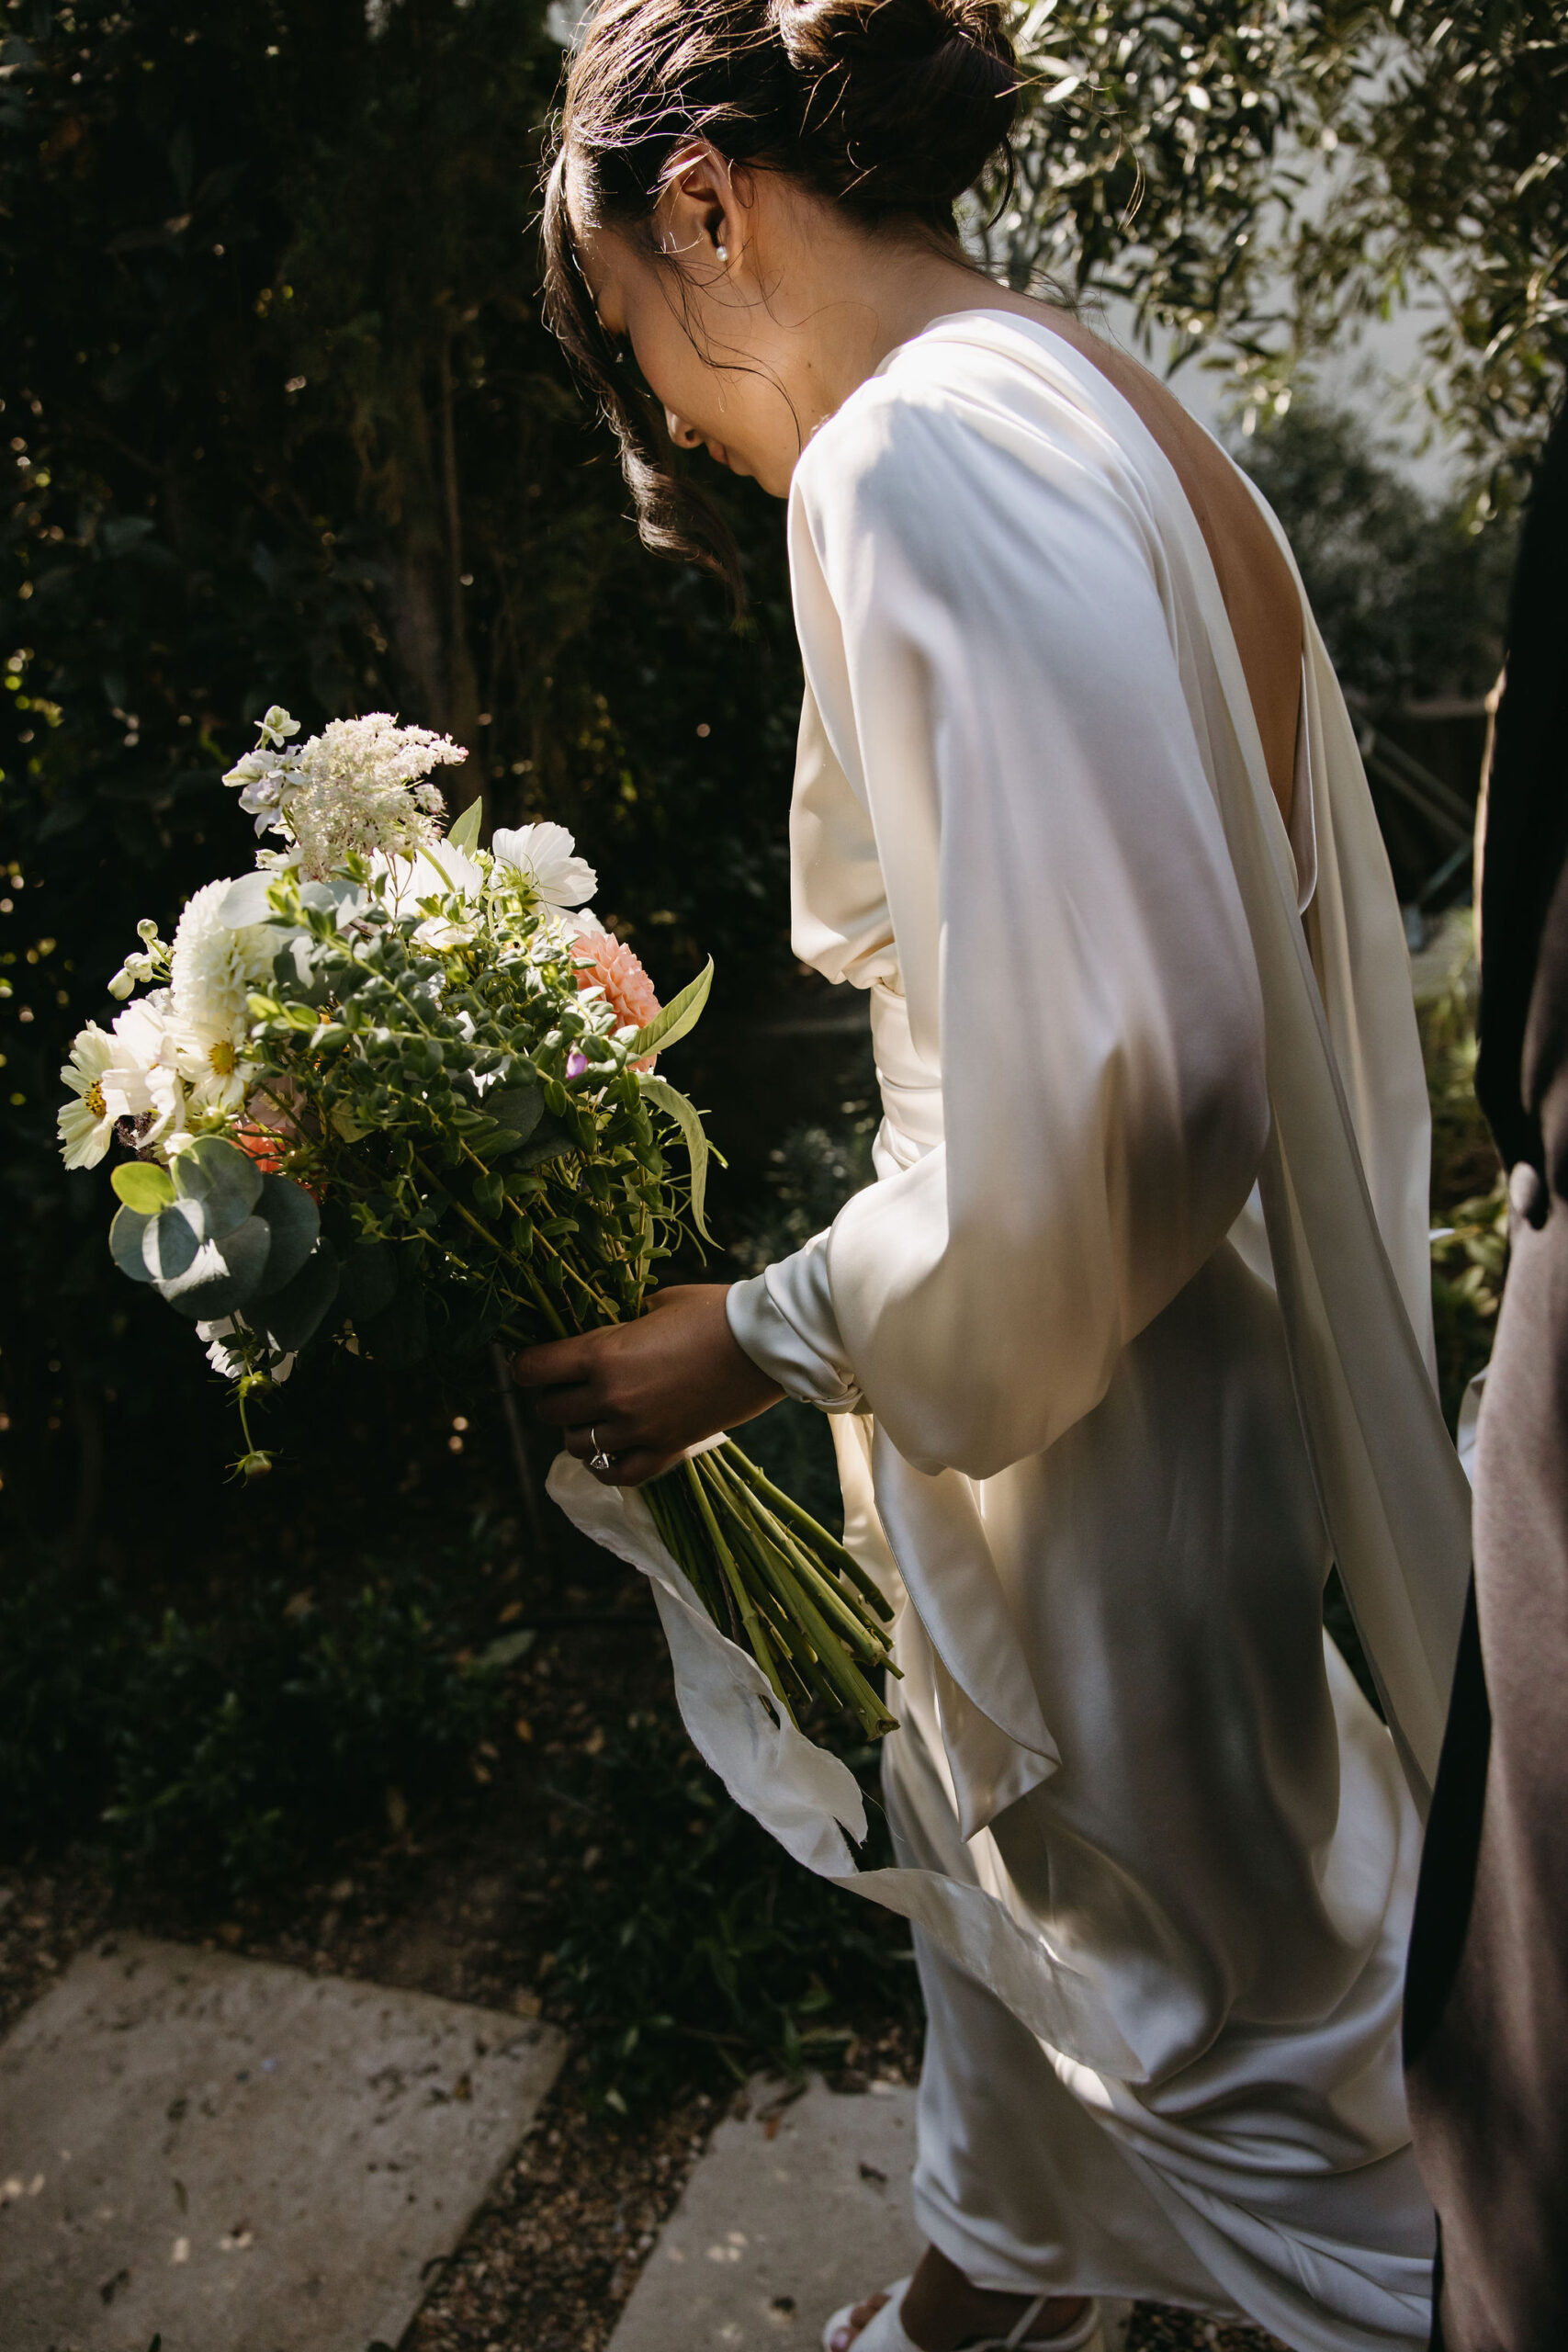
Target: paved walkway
<point x="240" y="2157"/>
<point x="802" y="2206"/>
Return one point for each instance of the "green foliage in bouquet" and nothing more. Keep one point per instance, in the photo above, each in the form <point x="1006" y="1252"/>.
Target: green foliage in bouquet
<point x="489" y="1161"/>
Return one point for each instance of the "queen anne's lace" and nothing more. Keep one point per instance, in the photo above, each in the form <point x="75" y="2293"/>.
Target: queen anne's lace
<point x="359" y="786"/>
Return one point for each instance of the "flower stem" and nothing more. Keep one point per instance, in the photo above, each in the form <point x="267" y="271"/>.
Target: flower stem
<point x="817" y="1534"/>
<point x="761" y="1648"/>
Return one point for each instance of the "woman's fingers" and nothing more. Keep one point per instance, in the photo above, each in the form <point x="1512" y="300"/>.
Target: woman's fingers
<point x="563" y="1408"/>
<point x="557" y="1363"/>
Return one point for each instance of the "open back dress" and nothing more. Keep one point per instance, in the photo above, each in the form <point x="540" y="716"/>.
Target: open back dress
<point x="1130" y="1339"/>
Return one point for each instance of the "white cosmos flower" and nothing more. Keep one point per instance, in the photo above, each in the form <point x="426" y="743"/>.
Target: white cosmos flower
<point x="87" y="1123"/>
<point x="143" y="1079"/>
<point x="546" y="856"/>
<point x="439" y="871"/>
<point x="214" y="1068"/>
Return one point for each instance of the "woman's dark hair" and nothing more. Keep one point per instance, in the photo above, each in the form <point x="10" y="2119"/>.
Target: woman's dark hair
<point x="891" y="109"/>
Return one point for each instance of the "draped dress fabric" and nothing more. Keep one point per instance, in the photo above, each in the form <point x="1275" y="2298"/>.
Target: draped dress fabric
<point x="1130" y="1336"/>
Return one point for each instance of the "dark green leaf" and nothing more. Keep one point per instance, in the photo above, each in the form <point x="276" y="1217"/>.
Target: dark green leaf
<point x="550" y="1139"/>
<point x="127" y="1234"/>
<point x="294" y="1221"/>
<point x="292" y="1315"/>
<point x="218" y="1184"/>
<point x="518" y="1108"/>
<point x="399" y="1335"/>
<point x="369" y="1281"/>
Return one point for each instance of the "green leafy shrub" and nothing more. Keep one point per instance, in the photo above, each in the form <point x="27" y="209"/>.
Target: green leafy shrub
<point x="234" y="1747"/>
<point x="692" y="1933"/>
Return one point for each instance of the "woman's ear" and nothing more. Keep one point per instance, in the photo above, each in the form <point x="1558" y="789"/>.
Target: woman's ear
<point x="700" y="217"/>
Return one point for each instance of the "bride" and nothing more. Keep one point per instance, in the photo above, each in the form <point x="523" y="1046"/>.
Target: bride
<point x="1132" y="1337"/>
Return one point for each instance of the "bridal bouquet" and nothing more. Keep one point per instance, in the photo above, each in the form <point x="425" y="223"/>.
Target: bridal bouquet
<point x="396" y="1092"/>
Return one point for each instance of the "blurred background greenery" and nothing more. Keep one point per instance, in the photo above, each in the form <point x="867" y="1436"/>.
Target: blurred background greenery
<point x="284" y="424"/>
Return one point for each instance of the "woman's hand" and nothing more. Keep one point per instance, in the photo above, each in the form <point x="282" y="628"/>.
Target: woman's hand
<point x="643" y="1391"/>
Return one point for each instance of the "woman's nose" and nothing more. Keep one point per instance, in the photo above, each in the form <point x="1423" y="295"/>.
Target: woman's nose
<point x="685" y="436"/>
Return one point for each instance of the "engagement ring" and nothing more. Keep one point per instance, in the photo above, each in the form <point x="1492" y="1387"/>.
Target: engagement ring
<point x="598" y="1459"/>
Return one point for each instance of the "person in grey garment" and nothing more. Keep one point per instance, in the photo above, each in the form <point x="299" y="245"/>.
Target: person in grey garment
<point x="1486" y="2018"/>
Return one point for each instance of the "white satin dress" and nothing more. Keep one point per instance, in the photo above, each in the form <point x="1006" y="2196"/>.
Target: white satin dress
<point x="1135" y="1314"/>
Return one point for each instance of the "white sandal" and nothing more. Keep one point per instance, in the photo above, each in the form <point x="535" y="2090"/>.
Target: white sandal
<point x="885" y="2333"/>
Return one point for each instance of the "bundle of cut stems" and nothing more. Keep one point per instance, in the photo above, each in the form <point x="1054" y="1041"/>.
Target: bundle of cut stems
<point x="777" y="1583"/>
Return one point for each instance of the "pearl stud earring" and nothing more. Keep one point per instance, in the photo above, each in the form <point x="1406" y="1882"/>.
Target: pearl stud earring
<point x="722" y="251"/>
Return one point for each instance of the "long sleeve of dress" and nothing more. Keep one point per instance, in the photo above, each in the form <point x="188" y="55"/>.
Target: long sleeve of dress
<point x="997" y="681"/>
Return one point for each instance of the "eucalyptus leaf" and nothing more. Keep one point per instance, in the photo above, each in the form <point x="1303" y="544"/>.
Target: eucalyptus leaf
<point x="679" y="1015"/>
<point x="295" y="1222"/>
<point x="169" y="1244"/>
<point x="218" y="1183"/>
<point x="465" y="835"/>
<point x="291" y="1316"/>
<point x="124" y="1243"/>
<point x="222" y="1275"/>
<point x="685" y="1113"/>
<point x="143" y="1186"/>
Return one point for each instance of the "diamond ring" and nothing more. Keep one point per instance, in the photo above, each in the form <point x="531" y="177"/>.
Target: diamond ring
<point x="598" y="1459"/>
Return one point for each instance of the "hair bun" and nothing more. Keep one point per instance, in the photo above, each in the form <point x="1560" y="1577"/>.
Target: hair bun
<point x="909" y="98"/>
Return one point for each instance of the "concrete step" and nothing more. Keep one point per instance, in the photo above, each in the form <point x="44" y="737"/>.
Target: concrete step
<point x="240" y="2157"/>
<point x="798" y="2207"/>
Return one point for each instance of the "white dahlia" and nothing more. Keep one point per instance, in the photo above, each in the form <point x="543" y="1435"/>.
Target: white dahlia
<point x="214" y="966"/>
